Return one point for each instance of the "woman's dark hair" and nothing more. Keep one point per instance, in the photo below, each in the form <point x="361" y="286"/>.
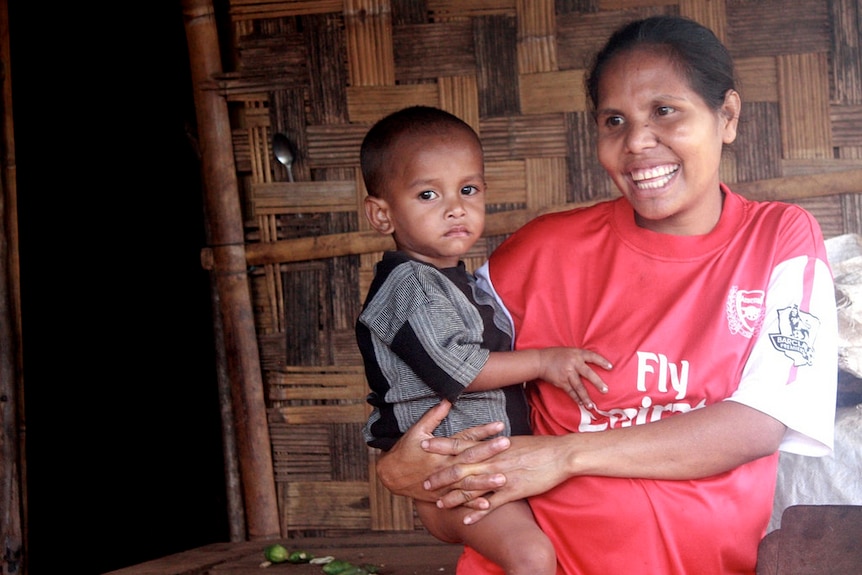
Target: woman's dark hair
<point x="700" y="56"/>
<point x="381" y="141"/>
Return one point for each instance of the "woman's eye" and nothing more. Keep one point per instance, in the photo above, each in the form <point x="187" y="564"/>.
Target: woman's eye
<point x="663" y="110"/>
<point x="427" y="195"/>
<point x="469" y="190"/>
<point x="614" y="121"/>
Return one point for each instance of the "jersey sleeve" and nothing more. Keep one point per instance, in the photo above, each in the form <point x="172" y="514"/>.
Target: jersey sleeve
<point x="792" y="372"/>
<point x="431" y="327"/>
<point x="484" y="283"/>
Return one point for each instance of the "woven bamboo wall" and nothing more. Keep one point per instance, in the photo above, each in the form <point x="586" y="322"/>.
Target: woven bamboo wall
<point x="322" y="72"/>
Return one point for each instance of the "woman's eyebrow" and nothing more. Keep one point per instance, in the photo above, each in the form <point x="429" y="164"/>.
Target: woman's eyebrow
<point x="655" y="100"/>
<point x="608" y="112"/>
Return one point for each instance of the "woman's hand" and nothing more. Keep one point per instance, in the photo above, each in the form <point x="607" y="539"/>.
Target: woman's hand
<point x="700" y="443"/>
<point x="405" y="468"/>
<point x="531" y="465"/>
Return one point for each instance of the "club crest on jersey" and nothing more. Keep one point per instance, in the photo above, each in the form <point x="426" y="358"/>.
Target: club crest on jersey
<point x="744" y="310"/>
<point x="797" y="332"/>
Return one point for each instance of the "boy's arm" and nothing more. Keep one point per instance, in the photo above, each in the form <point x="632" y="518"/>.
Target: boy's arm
<point x="505" y="368"/>
<point x="564" y="367"/>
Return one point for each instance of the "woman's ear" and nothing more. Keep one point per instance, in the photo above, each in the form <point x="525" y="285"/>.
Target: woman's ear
<point x="730" y="111"/>
<point x="377" y="212"/>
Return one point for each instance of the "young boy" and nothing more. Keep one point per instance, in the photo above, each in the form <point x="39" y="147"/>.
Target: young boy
<point x="427" y="333"/>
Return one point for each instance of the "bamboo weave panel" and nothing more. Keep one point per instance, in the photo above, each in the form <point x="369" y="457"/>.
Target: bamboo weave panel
<point x="388" y="512"/>
<point x="298" y="197"/>
<point x="549" y="92"/>
<point x="297" y="383"/>
<point x="301" y="452"/>
<point x="326" y="504"/>
<point x="321" y="72"/>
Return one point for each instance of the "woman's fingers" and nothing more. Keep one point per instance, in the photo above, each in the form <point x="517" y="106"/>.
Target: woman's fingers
<point x="469" y="450"/>
<point x="431" y="419"/>
<point x="403" y="469"/>
<point x="481" y="432"/>
<point x="477" y="514"/>
<point x="460" y="475"/>
<point x="476" y="500"/>
<point x="532" y="465"/>
<point x="463" y="441"/>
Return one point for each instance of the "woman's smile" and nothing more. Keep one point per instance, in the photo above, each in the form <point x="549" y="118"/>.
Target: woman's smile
<point x="654" y="178"/>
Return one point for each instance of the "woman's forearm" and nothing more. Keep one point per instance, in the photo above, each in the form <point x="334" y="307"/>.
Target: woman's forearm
<point x="701" y="443"/>
<point x="697" y="444"/>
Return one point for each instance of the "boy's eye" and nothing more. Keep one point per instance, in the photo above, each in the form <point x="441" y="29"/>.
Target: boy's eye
<point x="427" y="195"/>
<point x="469" y="190"/>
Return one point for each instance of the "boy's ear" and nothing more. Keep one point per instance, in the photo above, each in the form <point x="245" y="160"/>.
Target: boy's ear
<point x="377" y="212"/>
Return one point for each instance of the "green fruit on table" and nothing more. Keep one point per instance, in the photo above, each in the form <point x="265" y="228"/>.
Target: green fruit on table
<point x="337" y="567"/>
<point x="299" y="557"/>
<point x="276" y="553"/>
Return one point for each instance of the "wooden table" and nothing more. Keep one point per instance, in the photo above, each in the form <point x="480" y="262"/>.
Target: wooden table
<point x="394" y="553"/>
<point x="813" y="540"/>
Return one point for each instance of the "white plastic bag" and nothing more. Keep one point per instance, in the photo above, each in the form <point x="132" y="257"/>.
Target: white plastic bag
<point x="845" y="258"/>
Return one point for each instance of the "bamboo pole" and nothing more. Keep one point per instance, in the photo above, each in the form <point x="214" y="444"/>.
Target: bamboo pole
<point x="229" y="271"/>
<point x="13" y="469"/>
<point x="233" y="482"/>
<point x="351" y="243"/>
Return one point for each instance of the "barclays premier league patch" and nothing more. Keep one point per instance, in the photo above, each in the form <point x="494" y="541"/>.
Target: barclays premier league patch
<point x="797" y="332"/>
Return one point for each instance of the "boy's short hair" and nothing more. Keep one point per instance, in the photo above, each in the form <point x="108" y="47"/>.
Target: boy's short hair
<point x="381" y="140"/>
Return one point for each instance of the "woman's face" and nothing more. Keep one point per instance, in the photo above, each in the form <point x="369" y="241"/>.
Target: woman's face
<point x="661" y="144"/>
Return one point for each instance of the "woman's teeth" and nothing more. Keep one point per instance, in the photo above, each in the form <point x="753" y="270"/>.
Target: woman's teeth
<point x="653" y="177"/>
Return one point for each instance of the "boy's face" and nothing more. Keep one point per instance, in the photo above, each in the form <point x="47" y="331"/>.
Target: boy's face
<point x="433" y="201"/>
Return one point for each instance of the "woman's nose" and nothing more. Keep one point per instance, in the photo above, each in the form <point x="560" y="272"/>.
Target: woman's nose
<point x="640" y="136"/>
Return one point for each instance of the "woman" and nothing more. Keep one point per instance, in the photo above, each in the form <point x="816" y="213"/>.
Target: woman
<point x="717" y="313"/>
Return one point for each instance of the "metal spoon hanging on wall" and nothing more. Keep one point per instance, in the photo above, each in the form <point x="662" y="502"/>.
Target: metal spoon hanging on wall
<point x="283" y="150"/>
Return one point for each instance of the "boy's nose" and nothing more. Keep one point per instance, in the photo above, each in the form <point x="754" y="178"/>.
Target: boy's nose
<point x="455" y="207"/>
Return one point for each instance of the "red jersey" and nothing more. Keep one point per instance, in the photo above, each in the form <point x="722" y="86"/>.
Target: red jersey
<point x="744" y="313"/>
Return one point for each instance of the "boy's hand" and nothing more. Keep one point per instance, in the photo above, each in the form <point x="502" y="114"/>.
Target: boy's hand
<point x="568" y="367"/>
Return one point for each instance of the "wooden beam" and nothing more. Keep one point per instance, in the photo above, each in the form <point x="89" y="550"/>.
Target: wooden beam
<point x="13" y="457"/>
<point x="351" y="243"/>
<point x="225" y="232"/>
<point x="801" y="187"/>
